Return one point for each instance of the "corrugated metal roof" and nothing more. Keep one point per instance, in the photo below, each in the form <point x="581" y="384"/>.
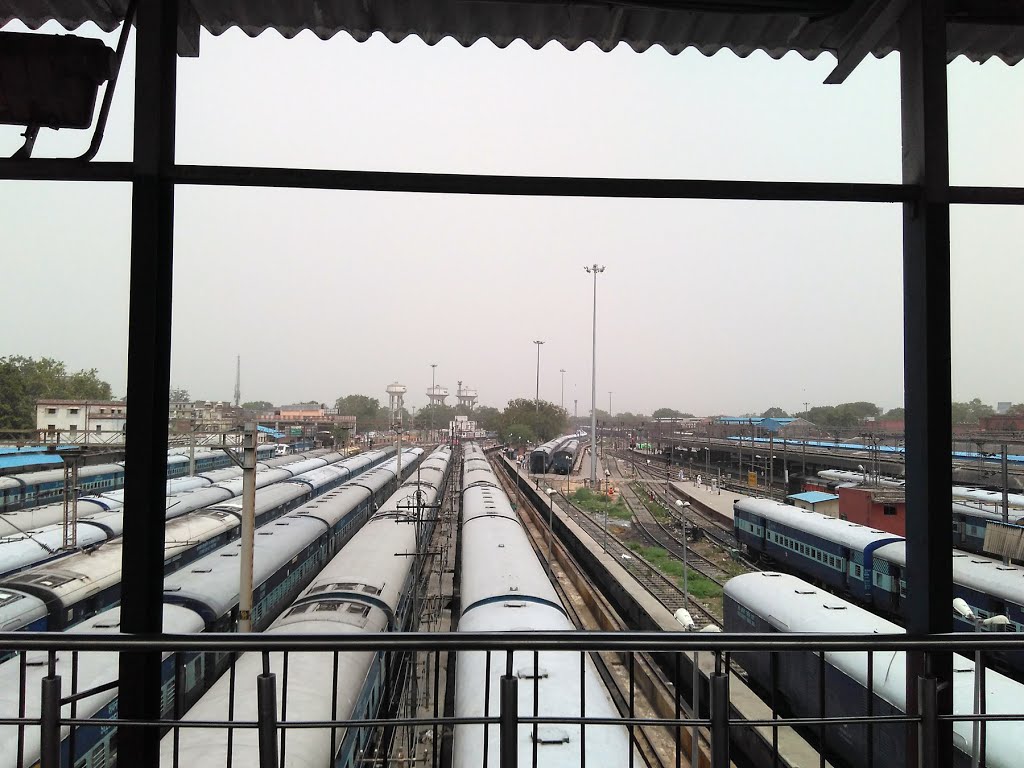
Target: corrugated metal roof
<point x="978" y="29"/>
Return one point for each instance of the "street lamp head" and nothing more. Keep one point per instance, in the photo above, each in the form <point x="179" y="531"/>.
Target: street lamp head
<point x="961" y="607"/>
<point x="681" y="504"/>
<point x="999" y="620"/>
<point x="551" y="491"/>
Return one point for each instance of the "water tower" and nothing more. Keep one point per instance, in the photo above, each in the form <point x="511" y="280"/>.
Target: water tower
<point x="437" y="394"/>
<point x="396" y="400"/>
<point x="467" y="396"/>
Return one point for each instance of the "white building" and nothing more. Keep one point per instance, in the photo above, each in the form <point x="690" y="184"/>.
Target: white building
<point x="81" y="421"/>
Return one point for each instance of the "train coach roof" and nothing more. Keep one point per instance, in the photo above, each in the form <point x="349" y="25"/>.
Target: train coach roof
<point x="977" y="572"/>
<point x="797" y="606"/>
<point x="842" y="532"/>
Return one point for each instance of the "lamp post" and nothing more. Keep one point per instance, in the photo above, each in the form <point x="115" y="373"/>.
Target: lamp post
<point x="433" y="370"/>
<point x="536" y="400"/>
<point x="686" y="591"/>
<point x="551" y="526"/>
<point x="961" y="607"/>
<point x="594" y="270"/>
<point x="562" y="371"/>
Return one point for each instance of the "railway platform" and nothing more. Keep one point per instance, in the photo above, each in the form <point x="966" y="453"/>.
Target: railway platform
<point x="592" y="549"/>
<point x="717" y="501"/>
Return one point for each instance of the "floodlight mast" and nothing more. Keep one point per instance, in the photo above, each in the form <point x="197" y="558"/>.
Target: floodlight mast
<point x="595" y="270"/>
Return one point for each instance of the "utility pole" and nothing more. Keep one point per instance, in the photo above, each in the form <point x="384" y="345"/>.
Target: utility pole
<point x="536" y="399"/>
<point x="433" y="370"/>
<point x="562" y="371"/>
<point x="1006" y="499"/>
<point x="248" y="526"/>
<point x="595" y="270"/>
<point x="238" y="380"/>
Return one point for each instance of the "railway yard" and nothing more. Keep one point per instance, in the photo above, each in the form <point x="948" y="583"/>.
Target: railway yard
<point x="456" y="541"/>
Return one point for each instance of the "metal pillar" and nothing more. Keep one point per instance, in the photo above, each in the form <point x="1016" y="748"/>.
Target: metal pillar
<point x="149" y="362"/>
<point x="927" y="372"/>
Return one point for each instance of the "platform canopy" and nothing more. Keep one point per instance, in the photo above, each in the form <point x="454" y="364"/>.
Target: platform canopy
<point x="851" y="29"/>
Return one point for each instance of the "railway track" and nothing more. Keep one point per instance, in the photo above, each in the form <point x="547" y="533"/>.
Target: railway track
<point x="666" y="591"/>
<point x="658" y="534"/>
<point x="711" y="529"/>
<point x="655" y="696"/>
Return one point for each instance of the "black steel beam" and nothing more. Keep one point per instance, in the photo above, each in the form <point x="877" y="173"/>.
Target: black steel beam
<point x="541" y="186"/>
<point x="149" y="355"/>
<point x="927" y="369"/>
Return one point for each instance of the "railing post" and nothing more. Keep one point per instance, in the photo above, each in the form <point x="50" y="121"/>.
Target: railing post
<point x="49" y="726"/>
<point x="927" y="707"/>
<point x="266" y="706"/>
<point x="719" y="720"/>
<point x="508" y="714"/>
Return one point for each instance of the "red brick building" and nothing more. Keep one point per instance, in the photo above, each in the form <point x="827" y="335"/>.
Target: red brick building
<point x="884" y="509"/>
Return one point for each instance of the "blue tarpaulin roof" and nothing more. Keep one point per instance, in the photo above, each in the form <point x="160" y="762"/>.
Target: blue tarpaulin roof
<point x="272" y="432"/>
<point x="813" y="497"/>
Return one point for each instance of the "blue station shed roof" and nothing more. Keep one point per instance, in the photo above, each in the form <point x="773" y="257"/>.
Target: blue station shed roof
<point x="813" y="497"/>
<point x="272" y="432"/>
<point x="16" y="461"/>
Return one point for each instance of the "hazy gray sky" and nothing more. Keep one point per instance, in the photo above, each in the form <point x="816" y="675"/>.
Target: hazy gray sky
<point x="706" y="306"/>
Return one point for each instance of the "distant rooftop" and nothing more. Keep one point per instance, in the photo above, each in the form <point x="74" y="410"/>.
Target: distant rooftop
<point x="813" y="497"/>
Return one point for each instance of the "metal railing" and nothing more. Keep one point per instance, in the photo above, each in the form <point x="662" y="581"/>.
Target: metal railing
<point x="54" y="718"/>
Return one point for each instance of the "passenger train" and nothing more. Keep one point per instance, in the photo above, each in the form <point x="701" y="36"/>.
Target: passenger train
<point x="366" y="588"/>
<point x="767" y="602"/>
<point x="56" y="595"/>
<point x="46" y="543"/>
<point x="564" y="457"/>
<point x="32" y="488"/>
<point x="505" y="588"/>
<point x="286" y="556"/>
<point x="542" y="456"/>
<point x="869" y="566"/>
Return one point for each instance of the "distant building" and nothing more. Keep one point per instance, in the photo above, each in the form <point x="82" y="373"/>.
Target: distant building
<point x="883" y="509"/>
<point x="1002" y="422"/>
<point x="817" y="501"/>
<point x="81" y="420"/>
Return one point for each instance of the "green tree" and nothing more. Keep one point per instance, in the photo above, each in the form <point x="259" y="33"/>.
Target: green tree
<point x="179" y="395"/>
<point x="970" y="413"/>
<point x="488" y="418"/>
<point x="666" y="413"/>
<point x="437" y="415"/>
<point x="895" y="413"/>
<point x="23" y="380"/>
<point x="364" y="408"/>
<point x="547" y="420"/>
<point x="520" y="434"/>
<point x="1017" y="409"/>
<point x="775" y="413"/>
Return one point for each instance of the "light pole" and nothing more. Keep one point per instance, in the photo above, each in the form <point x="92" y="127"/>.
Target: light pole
<point x="562" y="371"/>
<point x="433" y="370"/>
<point x="551" y="517"/>
<point x="960" y="606"/>
<point x="686" y="592"/>
<point x="536" y="400"/>
<point x="595" y="270"/>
